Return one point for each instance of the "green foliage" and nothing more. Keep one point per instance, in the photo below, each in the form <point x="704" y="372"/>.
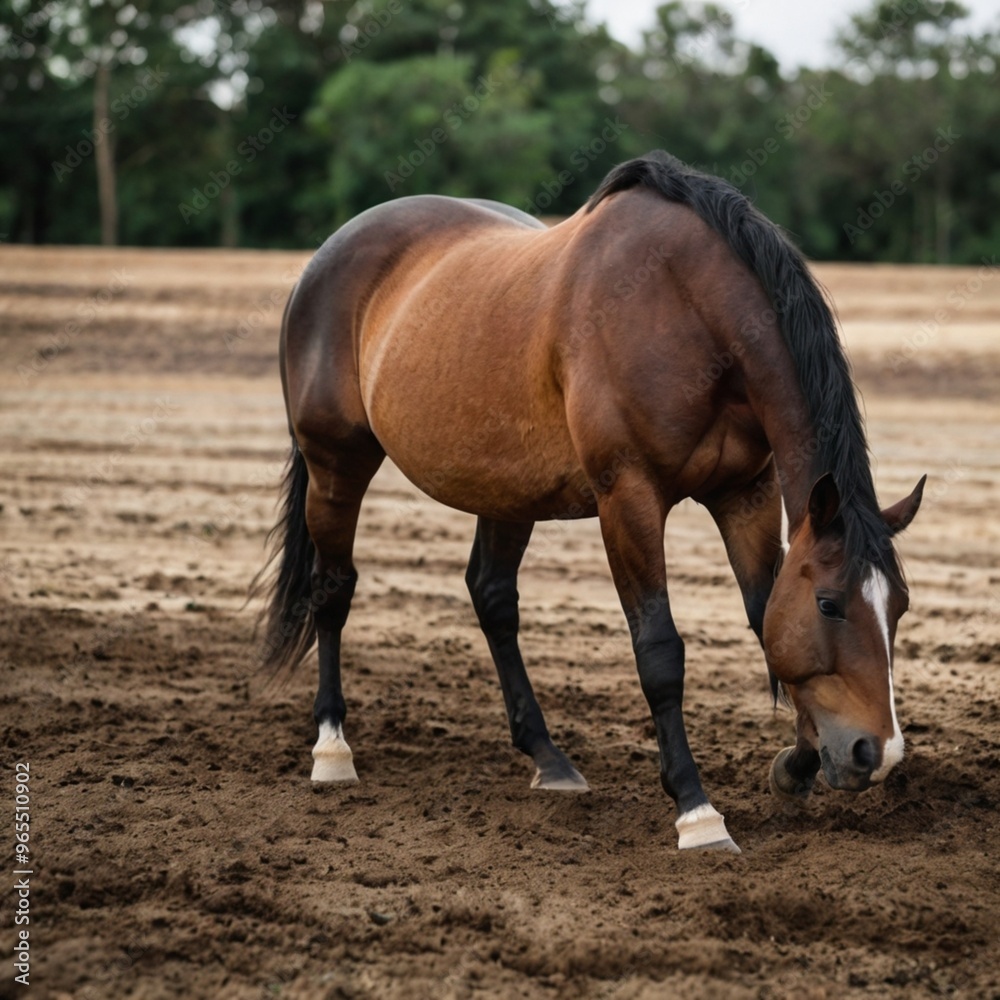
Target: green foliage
<point x="428" y="124"/>
<point x="240" y="122"/>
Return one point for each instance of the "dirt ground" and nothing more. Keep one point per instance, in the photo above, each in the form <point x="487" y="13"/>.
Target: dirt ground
<point x="178" y="847"/>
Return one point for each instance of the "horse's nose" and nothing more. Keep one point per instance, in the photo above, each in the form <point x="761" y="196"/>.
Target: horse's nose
<point x="864" y="753"/>
<point x="849" y="760"/>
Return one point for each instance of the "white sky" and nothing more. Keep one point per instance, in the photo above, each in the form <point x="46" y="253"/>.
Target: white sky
<point x="797" y="32"/>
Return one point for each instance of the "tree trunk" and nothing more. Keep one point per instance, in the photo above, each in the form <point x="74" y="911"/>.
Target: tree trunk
<point x="104" y="153"/>
<point x="942" y="217"/>
<point x="229" y="210"/>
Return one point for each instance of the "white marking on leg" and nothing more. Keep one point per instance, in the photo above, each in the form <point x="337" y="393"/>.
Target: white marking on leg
<point x="875" y="591"/>
<point x="703" y="827"/>
<point x="784" y="527"/>
<point x="332" y="757"/>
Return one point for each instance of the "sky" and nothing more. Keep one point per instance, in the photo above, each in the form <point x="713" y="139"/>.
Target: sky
<point x="797" y="32"/>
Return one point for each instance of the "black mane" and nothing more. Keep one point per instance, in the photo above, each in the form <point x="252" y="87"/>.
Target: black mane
<point x="808" y="328"/>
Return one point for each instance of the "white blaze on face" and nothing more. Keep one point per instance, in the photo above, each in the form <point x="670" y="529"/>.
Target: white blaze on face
<point x="784" y="527"/>
<point x="875" y="591"/>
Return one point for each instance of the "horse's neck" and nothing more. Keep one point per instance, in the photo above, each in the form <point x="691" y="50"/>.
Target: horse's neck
<point x="794" y="441"/>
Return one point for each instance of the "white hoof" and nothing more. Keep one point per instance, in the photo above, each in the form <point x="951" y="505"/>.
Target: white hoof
<point x="332" y="757"/>
<point x="565" y="783"/>
<point x="704" y="829"/>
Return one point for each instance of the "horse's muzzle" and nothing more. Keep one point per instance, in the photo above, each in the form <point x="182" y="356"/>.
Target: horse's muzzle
<point x="849" y="763"/>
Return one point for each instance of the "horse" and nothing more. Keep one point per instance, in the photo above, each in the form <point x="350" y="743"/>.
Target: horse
<point x="666" y="341"/>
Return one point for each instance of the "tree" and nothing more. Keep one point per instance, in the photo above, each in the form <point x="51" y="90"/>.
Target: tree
<point x="245" y="122"/>
<point x="429" y="125"/>
<point x="551" y="58"/>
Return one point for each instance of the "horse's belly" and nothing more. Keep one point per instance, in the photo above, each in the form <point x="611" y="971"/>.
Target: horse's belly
<point x="503" y="494"/>
<point x="487" y="470"/>
<point x="480" y="443"/>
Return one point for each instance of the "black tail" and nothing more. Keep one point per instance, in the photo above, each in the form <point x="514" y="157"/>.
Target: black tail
<point x="286" y="630"/>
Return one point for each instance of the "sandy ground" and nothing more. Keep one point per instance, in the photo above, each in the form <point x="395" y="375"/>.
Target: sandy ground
<point x="179" y="849"/>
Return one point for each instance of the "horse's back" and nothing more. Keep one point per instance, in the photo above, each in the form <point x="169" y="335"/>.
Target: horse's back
<point x="329" y="307"/>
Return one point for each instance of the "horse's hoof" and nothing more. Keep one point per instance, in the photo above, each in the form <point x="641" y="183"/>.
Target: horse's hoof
<point x="783" y="786"/>
<point x="560" y="780"/>
<point x="728" y="845"/>
<point x="333" y="761"/>
<point x="703" y="829"/>
<point x="336" y="770"/>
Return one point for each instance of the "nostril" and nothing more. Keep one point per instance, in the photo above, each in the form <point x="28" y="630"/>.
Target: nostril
<point x="863" y="753"/>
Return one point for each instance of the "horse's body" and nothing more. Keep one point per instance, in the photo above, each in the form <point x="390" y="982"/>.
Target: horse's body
<point x="527" y="395"/>
<point x="665" y="342"/>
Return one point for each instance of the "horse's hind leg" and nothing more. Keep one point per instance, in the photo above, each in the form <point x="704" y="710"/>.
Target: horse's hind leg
<point x="337" y="483"/>
<point x="492" y="580"/>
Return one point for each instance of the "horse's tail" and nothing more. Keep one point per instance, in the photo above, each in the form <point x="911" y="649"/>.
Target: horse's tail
<point x="287" y="620"/>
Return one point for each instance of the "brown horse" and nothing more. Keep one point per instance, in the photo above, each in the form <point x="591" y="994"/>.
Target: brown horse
<point x="664" y="342"/>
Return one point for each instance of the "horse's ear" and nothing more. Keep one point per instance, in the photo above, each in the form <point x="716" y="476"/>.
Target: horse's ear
<point x="899" y="515"/>
<point x="824" y="503"/>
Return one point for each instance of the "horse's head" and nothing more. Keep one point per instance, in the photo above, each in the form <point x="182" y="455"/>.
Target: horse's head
<point x="828" y="638"/>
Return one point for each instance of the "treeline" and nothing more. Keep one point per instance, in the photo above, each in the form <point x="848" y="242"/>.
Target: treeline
<point x="242" y="123"/>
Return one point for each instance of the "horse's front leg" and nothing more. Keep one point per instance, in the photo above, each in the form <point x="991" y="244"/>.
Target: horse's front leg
<point x="794" y="770"/>
<point x="632" y="517"/>
<point x="751" y="524"/>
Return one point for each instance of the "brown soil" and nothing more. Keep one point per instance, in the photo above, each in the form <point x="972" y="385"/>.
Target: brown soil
<point x="179" y="849"/>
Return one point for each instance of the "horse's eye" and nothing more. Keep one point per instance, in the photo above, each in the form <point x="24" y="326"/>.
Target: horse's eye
<point x="830" y="609"/>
